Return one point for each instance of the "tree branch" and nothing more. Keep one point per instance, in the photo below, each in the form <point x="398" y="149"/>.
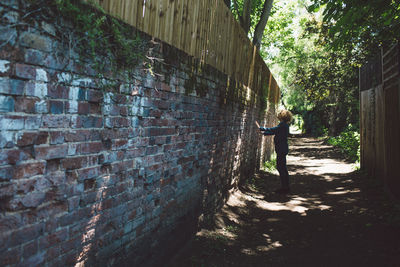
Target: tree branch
<point x="259" y="31"/>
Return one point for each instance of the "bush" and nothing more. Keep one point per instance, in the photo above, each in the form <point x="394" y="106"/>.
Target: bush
<point x="349" y="143"/>
<point x="313" y="123"/>
<point x="270" y="165"/>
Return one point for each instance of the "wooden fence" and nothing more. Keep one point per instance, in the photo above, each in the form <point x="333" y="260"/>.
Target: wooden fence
<point x="380" y="117"/>
<point x="205" y="29"/>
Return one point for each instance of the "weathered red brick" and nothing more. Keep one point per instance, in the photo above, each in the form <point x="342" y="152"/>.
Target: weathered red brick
<point x="70" y="245"/>
<point x="13" y="156"/>
<point x="133" y="153"/>
<point x="51" y="152"/>
<point x="11" y="256"/>
<point x="155" y="113"/>
<point x="117" y="122"/>
<point x="54" y="253"/>
<point x="6" y="173"/>
<point x="73" y="203"/>
<point x="165" y="87"/>
<point x="161" y="131"/>
<point x="51" y="210"/>
<point x="32" y="138"/>
<point x="25" y="71"/>
<point x="53" y="239"/>
<point x="12" y="122"/>
<point x="29" y="249"/>
<point x="94" y="96"/>
<point x="52" y="165"/>
<point x="123" y="111"/>
<point x="92" y="147"/>
<point x="74" y="163"/>
<point x="57" y="137"/>
<point x="29" y="169"/>
<point x="114" y="110"/>
<point x="87" y="122"/>
<point x="108" y="203"/>
<point x="83" y="108"/>
<point x="120" y="144"/>
<point x="89" y="184"/>
<point x="33" y="199"/>
<point x="55" y="121"/>
<point x="56" y="178"/>
<point x="26" y="234"/>
<point x="77" y="136"/>
<point x="58" y="91"/>
<point x="94" y="108"/>
<point x="88" y="173"/>
<point x="27" y="105"/>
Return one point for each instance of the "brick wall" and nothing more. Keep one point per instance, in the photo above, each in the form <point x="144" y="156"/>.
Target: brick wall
<point x="123" y="175"/>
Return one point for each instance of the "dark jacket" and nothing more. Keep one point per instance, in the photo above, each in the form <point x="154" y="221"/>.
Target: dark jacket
<point x="281" y="133"/>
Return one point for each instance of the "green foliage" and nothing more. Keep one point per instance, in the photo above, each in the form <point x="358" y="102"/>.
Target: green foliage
<point x="314" y="123"/>
<point x="270" y="165"/>
<point x="349" y="143"/>
<point x="91" y="40"/>
<point x="318" y="83"/>
<point x="297" y="123"/>
<point x="330" y="83"/>
<point x="363" y="24"/>
<point x="101" y="37"/>
<point x="256" y="7"/>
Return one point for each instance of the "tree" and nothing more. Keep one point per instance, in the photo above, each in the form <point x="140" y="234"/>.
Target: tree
<point x="318" y="82"/>
<point x="252" y="15"/>
<point x="365" y="24"/>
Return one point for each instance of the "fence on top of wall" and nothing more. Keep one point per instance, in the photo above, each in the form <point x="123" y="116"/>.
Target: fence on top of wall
<point x="205" y="29"/>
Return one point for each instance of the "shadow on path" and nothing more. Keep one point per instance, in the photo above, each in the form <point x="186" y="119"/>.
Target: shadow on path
<point x="334" y="217"/>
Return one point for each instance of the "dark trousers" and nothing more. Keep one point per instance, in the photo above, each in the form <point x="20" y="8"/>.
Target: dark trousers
<point x="282" y="169"/>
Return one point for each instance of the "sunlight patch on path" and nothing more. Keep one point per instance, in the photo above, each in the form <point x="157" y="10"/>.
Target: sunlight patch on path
<point x="320" y="167"/>
<point x="270" y="245"/>
<point x="295" y="204"/>
<point x="343" y="192"/>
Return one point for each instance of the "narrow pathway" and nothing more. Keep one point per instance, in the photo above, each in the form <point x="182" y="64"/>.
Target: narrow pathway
<point x="334" y="217"/>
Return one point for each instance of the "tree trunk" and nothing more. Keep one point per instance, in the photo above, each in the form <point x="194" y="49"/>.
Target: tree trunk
<point x="246" y="16"/>
<point x="259" y="31"/>
<point x="228" y="3"/>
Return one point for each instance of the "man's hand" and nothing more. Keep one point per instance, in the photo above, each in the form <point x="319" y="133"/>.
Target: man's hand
<point x="258" y="125"/>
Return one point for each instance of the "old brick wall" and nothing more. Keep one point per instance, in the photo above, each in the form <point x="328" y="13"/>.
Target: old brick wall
<point x="109" y="176"/>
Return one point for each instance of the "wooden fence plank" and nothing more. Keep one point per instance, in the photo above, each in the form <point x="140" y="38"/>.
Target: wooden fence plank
<point x="147" y="19"/>
<point x="139" y="15"/>
<point x="184" y="30"/>
<point x="163" y="18"/>
<point x="194" y="29"/>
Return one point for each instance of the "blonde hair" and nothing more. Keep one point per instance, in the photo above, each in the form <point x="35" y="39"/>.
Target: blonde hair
<point x="285" y="115"/>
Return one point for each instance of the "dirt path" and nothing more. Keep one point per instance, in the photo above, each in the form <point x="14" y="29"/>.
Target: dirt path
<point x="334" y="217"/>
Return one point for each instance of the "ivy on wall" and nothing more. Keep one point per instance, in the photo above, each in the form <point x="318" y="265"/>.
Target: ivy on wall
<point x="94" y="39"/>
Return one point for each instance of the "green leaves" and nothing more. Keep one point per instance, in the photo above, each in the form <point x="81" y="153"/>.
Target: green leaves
<point x="365" y="24"/>
<point x="101" y="36"/>
<point x="349" y="143"/>
<point x="318" y="81"/>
